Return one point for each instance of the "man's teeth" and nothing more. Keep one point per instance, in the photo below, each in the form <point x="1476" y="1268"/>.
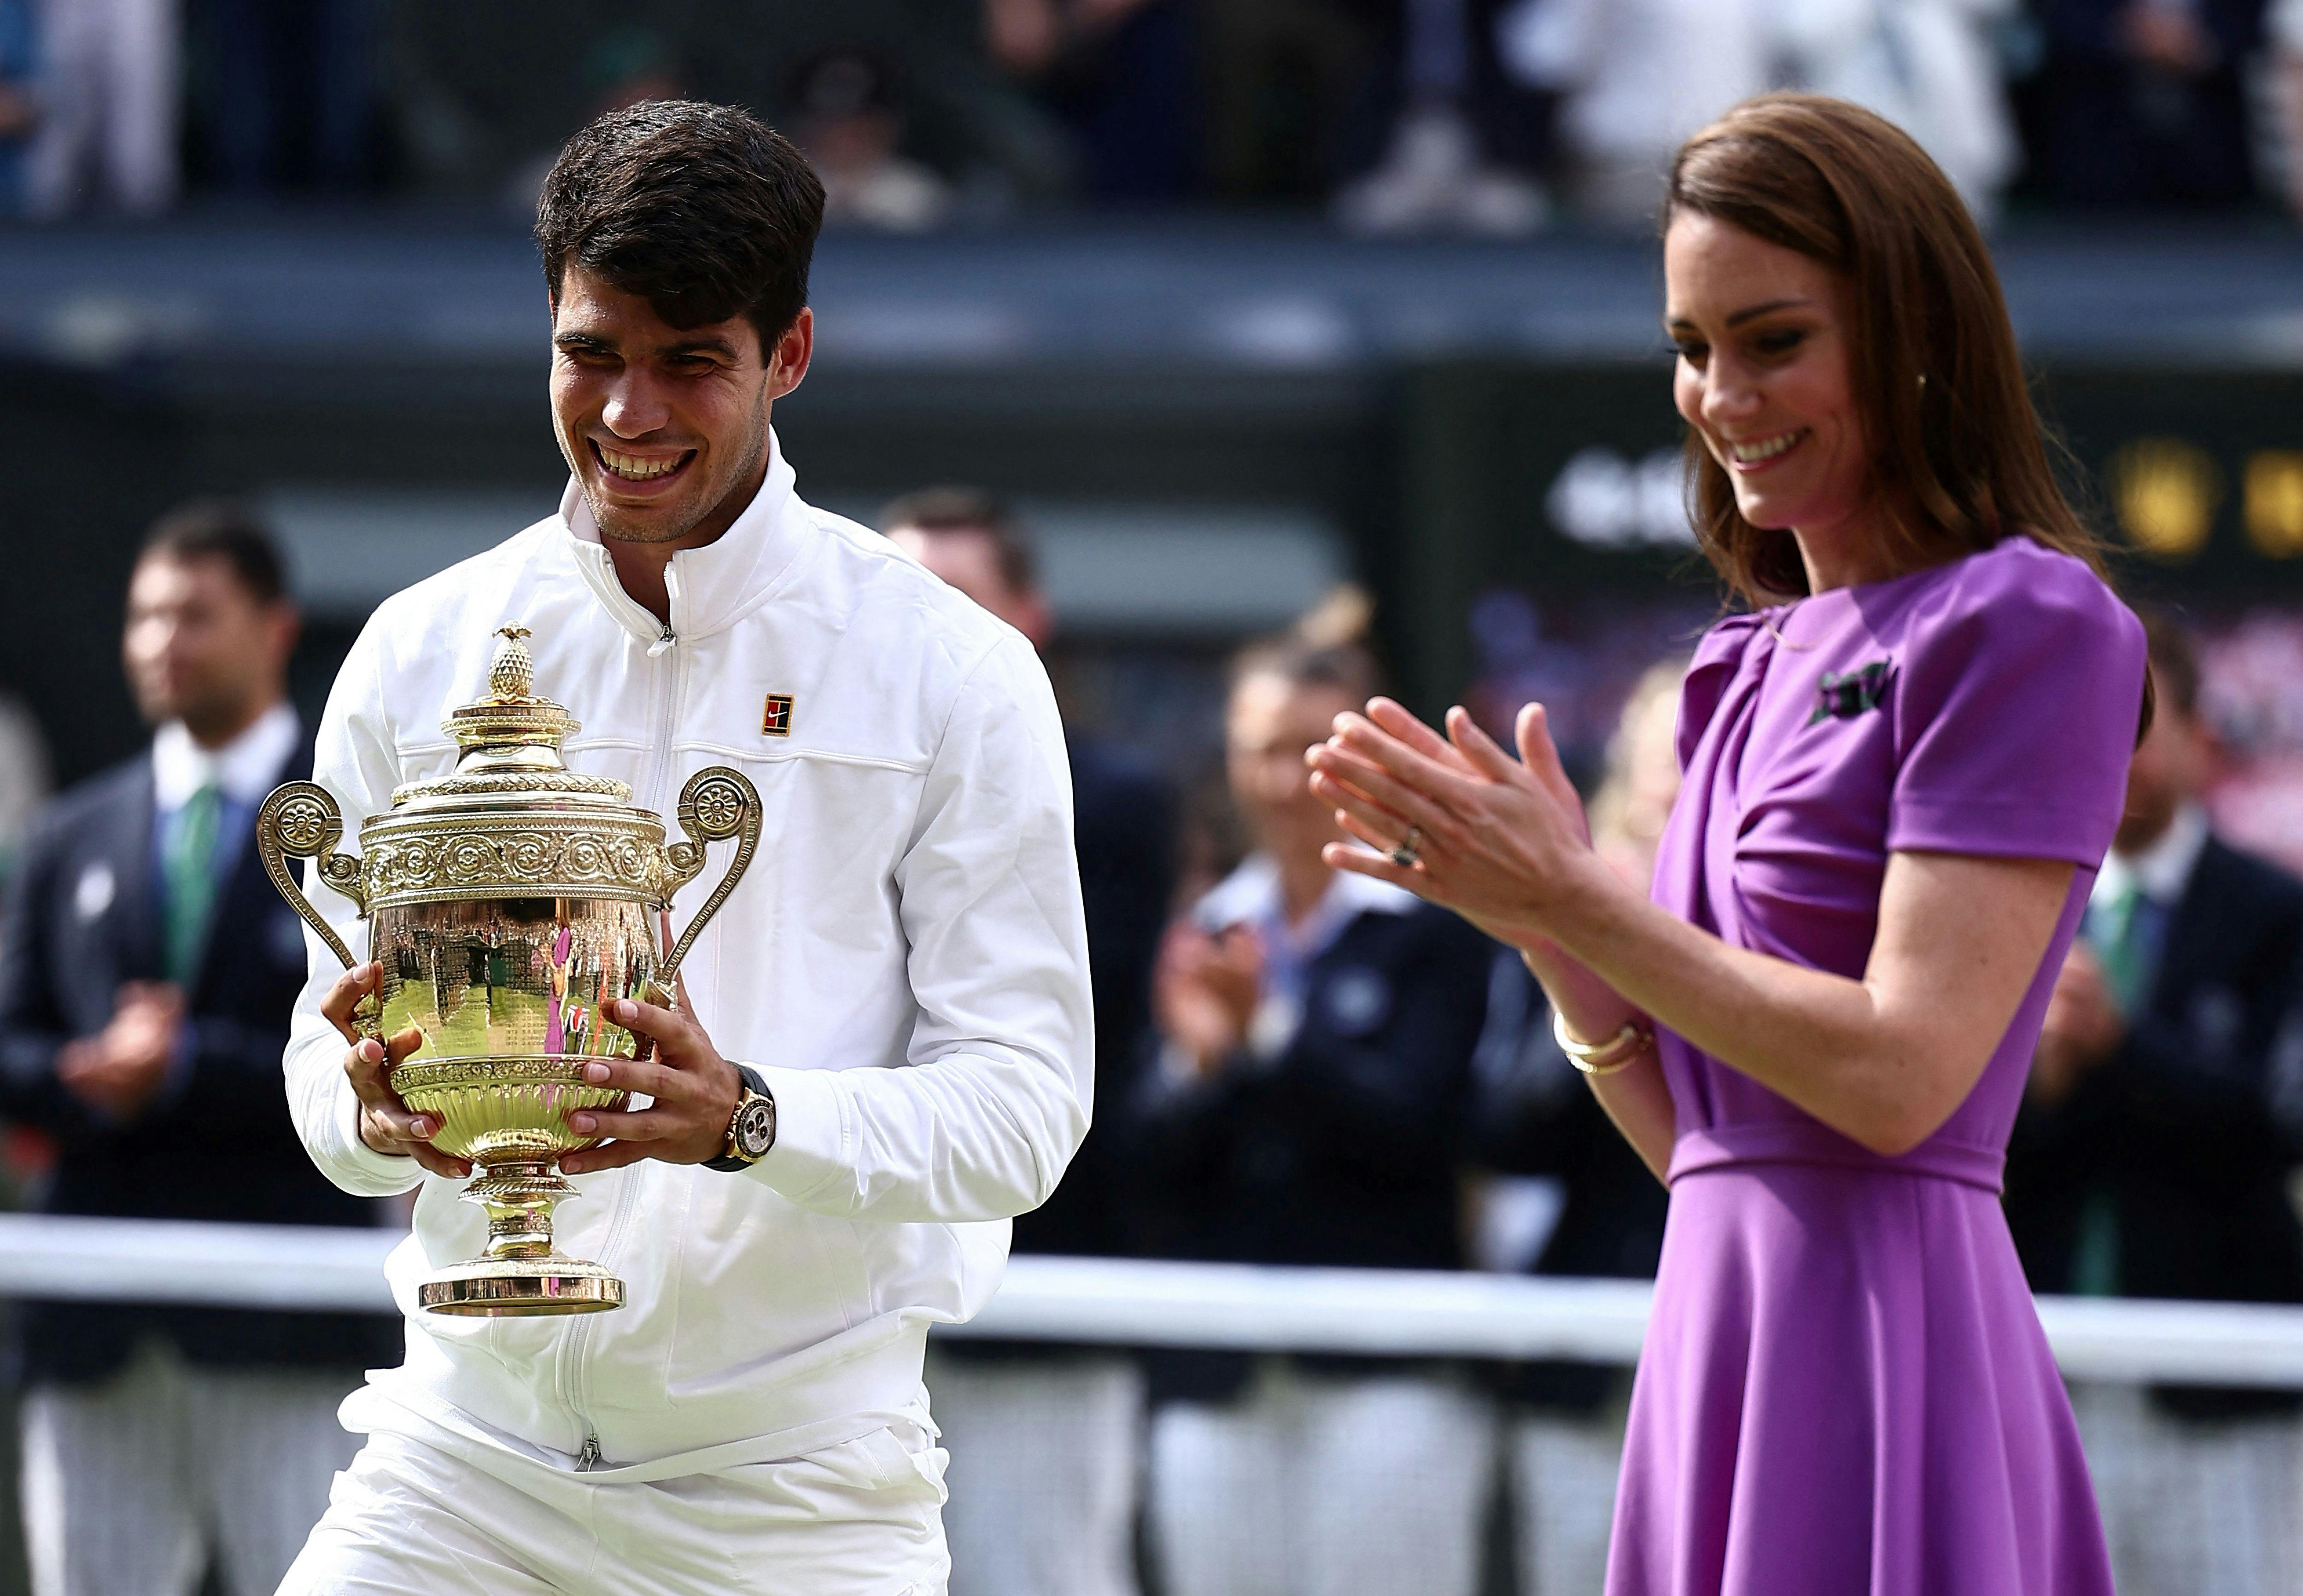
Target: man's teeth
<point x="633" y="468"/>
<point x="1766" y="448"/>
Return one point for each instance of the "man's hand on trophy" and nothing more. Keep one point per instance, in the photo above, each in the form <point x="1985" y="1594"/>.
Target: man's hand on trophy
<point x="386" y="1123"/>
<point x="695" y="1090"/>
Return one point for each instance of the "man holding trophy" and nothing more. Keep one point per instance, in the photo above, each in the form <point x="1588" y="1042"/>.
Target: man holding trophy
<point x="798" y="1132"/>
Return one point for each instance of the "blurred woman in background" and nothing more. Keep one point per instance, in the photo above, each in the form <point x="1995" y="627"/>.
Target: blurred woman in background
<point x="1309" y="1108"/>
<point x="1902" y="767"/>
<point x="1547" y="1137"/>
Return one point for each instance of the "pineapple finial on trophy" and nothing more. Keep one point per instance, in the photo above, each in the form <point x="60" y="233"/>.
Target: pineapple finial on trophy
<point x="512" y="674"/>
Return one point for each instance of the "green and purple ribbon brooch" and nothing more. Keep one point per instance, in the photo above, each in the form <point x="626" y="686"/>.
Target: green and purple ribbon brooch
<point x="1843" y="695"/>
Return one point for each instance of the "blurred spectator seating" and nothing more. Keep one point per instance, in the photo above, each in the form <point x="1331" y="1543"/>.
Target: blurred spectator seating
<point x="2163" y="1115"/>
<point x="2145" y="102"/>
<point x="1123" y="76"/>
<point x="20" y="100"/>
<point x="1464" y="137"/>
<point x="1309" y="1107"/>
<point x="144" y="1004"/>
<point x="1045" y="1440"/>
<point x="1537" y="1121"/>
<point x="632" y="65"/>
<point x="1637" y="76"/>
<point x="2284" y="24"/>
<point x="1285" y="82"/>
<point x="295" y="92"/>
<point x="847" y="114"/>
<point x="109" y="100"/>
<point x="479" y="99"/>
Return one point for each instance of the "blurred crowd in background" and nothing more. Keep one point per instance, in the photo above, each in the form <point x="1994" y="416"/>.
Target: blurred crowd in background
<point x="1294" y="1066"/>
<point x="1490" y="117"/>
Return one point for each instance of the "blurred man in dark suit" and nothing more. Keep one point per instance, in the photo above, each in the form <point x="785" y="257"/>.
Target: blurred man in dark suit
<point x="1043" y="1439"/>
<point x="2144" y="103"/>
<point x="2164" y="1111"/>
<point x="144" y="1004"/>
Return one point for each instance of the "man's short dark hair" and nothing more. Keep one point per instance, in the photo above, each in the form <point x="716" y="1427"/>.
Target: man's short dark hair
<point x="222" y="529"/>
<point x="704" y="211"/>
<point x="972" y="510"/>
<point x="2174" y="655"/>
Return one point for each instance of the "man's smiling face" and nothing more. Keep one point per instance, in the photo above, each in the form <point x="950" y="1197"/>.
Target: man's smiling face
<point x="665" y="427"/>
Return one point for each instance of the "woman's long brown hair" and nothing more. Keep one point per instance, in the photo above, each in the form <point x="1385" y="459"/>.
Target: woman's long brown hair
<point x="1959" y="457"/>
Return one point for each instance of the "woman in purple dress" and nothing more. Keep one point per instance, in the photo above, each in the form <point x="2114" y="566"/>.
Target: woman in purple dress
<point x="1903" y="766"/>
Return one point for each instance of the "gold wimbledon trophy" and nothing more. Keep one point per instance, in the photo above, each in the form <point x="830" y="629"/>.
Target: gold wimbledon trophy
<point x="506" y="901"/>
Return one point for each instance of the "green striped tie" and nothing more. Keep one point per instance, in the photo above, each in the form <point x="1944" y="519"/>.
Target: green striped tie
<point x="2122" y="947"/>
<point x="188" y="874"/>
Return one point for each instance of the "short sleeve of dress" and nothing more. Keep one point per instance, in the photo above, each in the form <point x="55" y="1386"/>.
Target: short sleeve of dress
<point x="2016" y="711"/>
<point x="1717" y="657"/>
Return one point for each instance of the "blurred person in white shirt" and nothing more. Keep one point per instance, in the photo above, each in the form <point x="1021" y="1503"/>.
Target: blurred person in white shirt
<point x="109" y="98"/>
<point x="1044" y="1438"/>
<point x="1638" y="76"/>
<point x="2284" y="24"/>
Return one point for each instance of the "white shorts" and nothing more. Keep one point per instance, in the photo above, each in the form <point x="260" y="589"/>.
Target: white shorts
<point x="862" y="1518"/>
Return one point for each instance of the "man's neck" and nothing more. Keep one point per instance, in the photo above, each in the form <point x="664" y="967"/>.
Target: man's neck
<point x="216" y="731"/>
<point x="1303" y="886"/>
<point x="2134" y="845"/>
<point x="640" y="567"/>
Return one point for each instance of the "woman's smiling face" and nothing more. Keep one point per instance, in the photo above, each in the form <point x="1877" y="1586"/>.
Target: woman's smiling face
<point x="1765" y="379"/>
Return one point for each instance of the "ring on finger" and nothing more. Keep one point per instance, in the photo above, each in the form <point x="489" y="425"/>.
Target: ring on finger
<point x="1404" y="856"/>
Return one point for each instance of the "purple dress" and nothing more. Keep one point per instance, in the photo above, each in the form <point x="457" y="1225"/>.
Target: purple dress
<point x="1844" y="1387"/>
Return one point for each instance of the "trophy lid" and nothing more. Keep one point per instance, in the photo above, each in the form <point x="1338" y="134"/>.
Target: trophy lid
<point x="509" y="742"/>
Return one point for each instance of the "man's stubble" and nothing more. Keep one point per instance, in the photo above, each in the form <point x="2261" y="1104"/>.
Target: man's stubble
<point x="743" y="486"/>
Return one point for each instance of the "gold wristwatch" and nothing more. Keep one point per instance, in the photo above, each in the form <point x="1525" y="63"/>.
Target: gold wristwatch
<point x="751" y="1128"/>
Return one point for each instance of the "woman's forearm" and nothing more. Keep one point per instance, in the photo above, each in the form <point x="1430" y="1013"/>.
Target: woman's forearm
<point x="1884" y="1059"/>
<point x="1800" y="1031"/>
<point x="1636" y="1097"/>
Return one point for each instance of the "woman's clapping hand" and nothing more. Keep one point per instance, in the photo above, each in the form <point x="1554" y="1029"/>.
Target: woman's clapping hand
<point x="1501" y="842"/>
<point x="1204" y="992"/>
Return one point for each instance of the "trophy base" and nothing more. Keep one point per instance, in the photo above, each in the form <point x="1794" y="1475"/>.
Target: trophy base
<point x="510" y="1288"/>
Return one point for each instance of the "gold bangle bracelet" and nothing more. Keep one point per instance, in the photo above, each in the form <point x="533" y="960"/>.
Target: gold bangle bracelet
<point x="1619" y="1051"/>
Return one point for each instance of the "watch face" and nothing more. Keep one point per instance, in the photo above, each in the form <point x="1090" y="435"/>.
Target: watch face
<point x="755" y="1127"/>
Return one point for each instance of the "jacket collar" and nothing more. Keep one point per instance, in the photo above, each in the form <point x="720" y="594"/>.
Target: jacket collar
<point x="1250" y="894"/>
<point x="244" y="769"/>
<point x="2163" y="870"/>
<point x="711" y="587"/>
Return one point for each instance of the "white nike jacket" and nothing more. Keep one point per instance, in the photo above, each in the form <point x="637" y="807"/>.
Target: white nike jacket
<point x="904" y="962"/>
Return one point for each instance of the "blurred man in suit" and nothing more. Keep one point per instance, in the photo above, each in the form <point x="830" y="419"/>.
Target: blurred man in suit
<point x="2151" y="1159"/>
<point x="1043" y="1439"/>
<point x="144" y="1004"/>
<point x="2145" y="102"/>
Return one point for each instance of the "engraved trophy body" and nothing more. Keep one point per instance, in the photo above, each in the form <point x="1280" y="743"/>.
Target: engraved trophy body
<point x="506" y="901"/>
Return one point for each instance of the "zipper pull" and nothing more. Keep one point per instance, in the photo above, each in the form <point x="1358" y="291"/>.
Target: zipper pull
<point x="589" y="1458"/>
<point x="662" y="643"/>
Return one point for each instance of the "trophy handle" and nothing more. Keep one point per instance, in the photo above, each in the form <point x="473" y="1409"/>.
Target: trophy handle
<point x="716" y="803"/>
<point x="299" y="821"/>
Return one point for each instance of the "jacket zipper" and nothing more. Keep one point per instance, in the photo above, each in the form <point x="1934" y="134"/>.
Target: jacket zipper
<point x="576" y="1351"/>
